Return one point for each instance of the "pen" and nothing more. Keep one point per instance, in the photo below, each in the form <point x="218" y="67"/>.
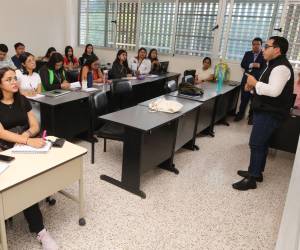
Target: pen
<point x="44" y="135"/>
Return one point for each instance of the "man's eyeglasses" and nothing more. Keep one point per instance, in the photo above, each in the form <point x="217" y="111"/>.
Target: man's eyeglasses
<point x="268" y="46"/>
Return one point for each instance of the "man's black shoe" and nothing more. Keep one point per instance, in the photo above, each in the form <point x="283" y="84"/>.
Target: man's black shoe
<point x="244" y="173"/>
<point x="250" y="121"/>
<point x="245" y="184"/>
<point x="238" y="117"/>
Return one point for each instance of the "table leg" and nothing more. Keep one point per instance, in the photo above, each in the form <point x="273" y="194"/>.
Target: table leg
<point x="3" y="239"/>
<point x="132" y="151"/>
<point x="81" y="197"/>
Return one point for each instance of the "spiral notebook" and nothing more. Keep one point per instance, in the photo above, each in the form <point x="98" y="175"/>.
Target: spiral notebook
<point x="19" y="148"/>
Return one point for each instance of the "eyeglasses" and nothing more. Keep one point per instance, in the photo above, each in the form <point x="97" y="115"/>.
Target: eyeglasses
<point x="11" y="80"/>
<point x="266" y="46"/>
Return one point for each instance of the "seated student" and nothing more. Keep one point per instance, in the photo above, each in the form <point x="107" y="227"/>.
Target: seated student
<point x="49" y="53"/>
<point x="89" y="50"/>
<point x="140" y="64"/>
<point x="206" y="73"/>
<point x="4" y="61"/>
<point x="30" y="81"/>
<point x="70" y="61"/>
<point x="19" y="48"/>
<point x="297" y="92"/>
<point x="120" y="66"/>
<point x="53" y="75"/>
<point x="92" y="65"/>
<point x="155" y="65"/>
<point x="19" y="125"/>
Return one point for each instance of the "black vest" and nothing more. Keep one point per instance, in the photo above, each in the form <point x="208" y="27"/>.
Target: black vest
<point x="278" y="106"/>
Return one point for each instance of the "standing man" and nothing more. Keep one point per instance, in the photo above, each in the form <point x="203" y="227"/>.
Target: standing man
<point x="20" y="49"/>
<point x="271" y="104"/>
<point x="253" y="63"/>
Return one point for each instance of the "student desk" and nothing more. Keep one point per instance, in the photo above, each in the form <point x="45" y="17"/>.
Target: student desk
<point x="216" y="105"/>
<point x="30" y="178"/>
<point x="150" y="87"/>
<point x="187" y="122"/>
<point x="150" y="139"/>
<point x="286" y="136"/>
<point x="65" y="116"/>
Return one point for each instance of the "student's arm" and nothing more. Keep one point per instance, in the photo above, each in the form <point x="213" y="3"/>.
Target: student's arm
<point x="100" y="79"/>
<point x="44" y="74"/>
<point x="84" y="73"/>
<point x="34" y="127"/>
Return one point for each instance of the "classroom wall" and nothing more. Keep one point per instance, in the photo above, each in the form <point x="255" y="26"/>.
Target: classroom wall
<point x="39" y="24"/>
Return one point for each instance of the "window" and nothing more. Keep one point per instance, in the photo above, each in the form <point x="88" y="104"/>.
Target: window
<point x="185" y="26"/>
<point x="157" y="25"/>
<point x="291" y="30"/>
<point x="195" y="22"/>
<point x="245" y="20"/>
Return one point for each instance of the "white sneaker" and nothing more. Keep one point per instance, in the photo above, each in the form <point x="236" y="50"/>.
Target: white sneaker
<point x="46" y="240"/>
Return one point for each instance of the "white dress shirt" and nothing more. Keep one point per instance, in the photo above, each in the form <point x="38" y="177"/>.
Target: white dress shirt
<point x="277" y="80"/>
<point x="144" y="67"/>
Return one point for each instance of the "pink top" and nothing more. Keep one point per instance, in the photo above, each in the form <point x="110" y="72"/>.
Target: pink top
<point x="297" y="92"/>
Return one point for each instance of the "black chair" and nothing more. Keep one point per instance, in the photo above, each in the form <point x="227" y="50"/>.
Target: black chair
<point x="170" y="86"/>
<point x="191" y="72"/>
<point x="39" y="65"/>
<point x="189" y="79"/>
<point x="122" y="98"/>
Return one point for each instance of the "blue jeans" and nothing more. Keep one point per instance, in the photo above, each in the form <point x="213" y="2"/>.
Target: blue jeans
<point x="264" y="124"/>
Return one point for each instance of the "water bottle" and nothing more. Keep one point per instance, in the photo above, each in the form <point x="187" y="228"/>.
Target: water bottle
<point x="220" y="80"/>
<point x="105" y="76"/>
<point x="89" y="79"/>
<point x="83" y="84"/>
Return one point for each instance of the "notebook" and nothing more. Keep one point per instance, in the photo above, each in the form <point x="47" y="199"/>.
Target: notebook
<point x="3" y="166"/>
<point x="20" y="148"/>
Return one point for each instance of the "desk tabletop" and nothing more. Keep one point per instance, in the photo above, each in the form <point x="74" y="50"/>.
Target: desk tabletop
<point x="26" y="166"/>
<point x="188" y="105"/>
<point x="210" y="91"/>
<point x="139" y="117"/>
<point x="69" y="97"/>
<point x="148" y="79"/>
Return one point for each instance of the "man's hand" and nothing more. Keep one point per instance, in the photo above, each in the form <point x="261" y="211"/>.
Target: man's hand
<point x="251" y="81"/>
<point x="248" y="88"/>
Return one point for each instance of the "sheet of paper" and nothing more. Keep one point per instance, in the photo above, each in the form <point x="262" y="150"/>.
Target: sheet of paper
<point x="37" y="96"/>
<point x="3" y="166"/>
<point x="75" y="85"/>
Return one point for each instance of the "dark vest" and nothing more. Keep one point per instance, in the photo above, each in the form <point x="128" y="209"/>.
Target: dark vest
<point x="278" y="106"/>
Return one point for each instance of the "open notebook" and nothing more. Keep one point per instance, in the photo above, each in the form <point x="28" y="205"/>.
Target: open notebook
<point x="19" y="148"/>
<point x="3" y="166"/>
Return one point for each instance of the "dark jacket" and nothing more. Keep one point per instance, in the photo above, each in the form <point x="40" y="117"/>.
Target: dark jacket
<point x="52" y="79"/>
<point x="278" y="106"/>
<point x="118" y="71"/>
<point x="247" y="60"/>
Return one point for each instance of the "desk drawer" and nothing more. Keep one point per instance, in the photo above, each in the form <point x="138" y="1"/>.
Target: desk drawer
<point x="29" y="192"/>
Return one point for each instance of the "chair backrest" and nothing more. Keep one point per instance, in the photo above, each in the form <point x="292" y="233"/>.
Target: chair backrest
<point x="170" y="86"/>
<point x="191" y="72"/>
<point x="122" y="94"/>
<point x="39" y="65"/>
<point x="188" y="78"/>
<point x="99" y="107"/>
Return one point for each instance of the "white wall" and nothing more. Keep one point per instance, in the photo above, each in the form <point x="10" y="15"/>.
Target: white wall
<point x="39" y="24"/>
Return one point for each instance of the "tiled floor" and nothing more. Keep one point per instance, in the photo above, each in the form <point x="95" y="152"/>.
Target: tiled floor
<point x="197" y="209"/>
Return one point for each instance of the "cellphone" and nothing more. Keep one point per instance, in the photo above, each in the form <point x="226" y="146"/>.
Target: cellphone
<point x="59" y="142"/>
<point x="6" y="158"/>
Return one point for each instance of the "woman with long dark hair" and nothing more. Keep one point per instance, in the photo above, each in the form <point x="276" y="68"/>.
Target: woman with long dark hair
<point x="49" y="53"/>
<point x="92" y="65"/>
<point x="88" y="51"/>
<point x="53" y="75"/>
<point x="120" y="66"/>
<point x="155" y="65"/>
<point x="19" y="125"/>
<point x="70" y="61"/>
<point x="140" y="64"/>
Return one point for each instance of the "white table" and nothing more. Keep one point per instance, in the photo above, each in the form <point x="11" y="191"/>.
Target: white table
<point x="31" y="178"/>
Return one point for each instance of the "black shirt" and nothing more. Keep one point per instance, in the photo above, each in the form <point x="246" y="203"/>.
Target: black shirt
<point x="14" y="118"/>
<point x="15" y="114"/>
